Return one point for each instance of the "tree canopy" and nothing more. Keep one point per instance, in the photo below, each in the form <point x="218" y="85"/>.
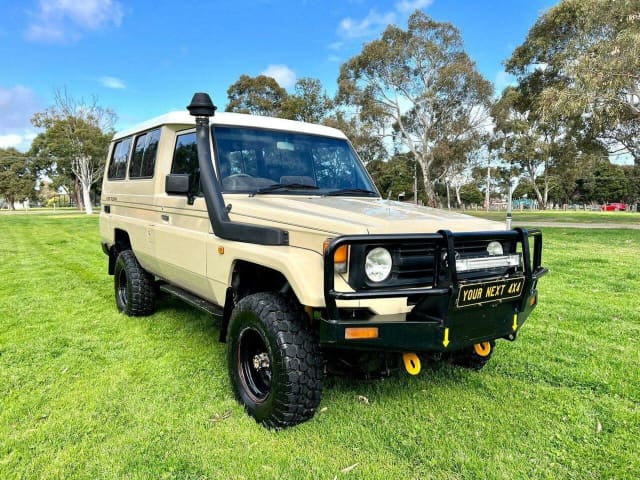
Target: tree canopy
<point x="259" y="95"/>
<point x="17" y="179"/>
<point x="74" y="144"/>
<point x="582" y="60"/>
<point x="420" y="87"/>
<point x="263" y="95"/>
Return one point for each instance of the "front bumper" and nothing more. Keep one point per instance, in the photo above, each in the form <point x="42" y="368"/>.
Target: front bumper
<point x="436" y="322"/>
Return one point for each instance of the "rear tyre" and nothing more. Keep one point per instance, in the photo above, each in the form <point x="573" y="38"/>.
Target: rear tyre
<point x="274" y="363"/>
<point x="134" y="286"/>
<point x="474" y="357"/>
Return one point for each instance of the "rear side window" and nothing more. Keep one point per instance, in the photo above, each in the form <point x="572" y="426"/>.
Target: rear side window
<point x="185" y="160"/>
<point x="119" y="158"/>
<point x="143" y="159"/>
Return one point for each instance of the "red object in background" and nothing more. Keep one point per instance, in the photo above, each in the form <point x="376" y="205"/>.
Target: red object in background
<point x="614" y="207"/>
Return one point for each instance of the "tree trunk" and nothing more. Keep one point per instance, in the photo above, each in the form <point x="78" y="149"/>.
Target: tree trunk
<point x="431" y="195"/>
<point x="448" y="197"/>
<point x="541" y="200"/>
<point x="77" y="190"/>
<point x="487" y="195"/>
<point x="428" y="187"/>
<point x="86" y="198"/>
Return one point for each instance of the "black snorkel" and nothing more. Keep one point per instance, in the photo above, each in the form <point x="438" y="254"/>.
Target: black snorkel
<point x="202" y="108"/>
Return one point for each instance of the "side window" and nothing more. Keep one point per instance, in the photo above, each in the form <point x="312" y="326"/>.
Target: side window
<point x="143" y="159"/>
<point x="119" y="158"/>
<point x="185" y="160"/>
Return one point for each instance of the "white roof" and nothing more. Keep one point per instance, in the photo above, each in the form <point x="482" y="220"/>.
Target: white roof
<point x="234" y="119"/>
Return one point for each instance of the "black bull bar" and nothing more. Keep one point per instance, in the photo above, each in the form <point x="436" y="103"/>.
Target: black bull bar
<point x="436" y="311"/>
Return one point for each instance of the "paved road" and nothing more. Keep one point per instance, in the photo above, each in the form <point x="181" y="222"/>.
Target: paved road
<point x="631" y="226"/>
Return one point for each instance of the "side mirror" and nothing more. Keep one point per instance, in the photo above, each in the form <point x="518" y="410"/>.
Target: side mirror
<point x="180" y="184"/>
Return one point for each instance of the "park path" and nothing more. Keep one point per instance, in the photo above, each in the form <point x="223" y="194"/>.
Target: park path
<point x="631" y="226"/>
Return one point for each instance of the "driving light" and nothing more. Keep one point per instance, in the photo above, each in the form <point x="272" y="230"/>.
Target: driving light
<point x="494" y="248"/>
<point x="377" y="265"/>
<point x="483" y="263"/>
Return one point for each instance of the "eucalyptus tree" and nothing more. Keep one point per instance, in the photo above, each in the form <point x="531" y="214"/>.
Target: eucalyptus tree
<point x="261" y="95"/>
<point x="75" y="141"/>
<point x="536" y="146"/>
<point x="17" y="179"/>
<point x="367" y="144"/>
<point x="420" y="87"/>
<point x="310" y="103"/>
<point x="582" y="58"/>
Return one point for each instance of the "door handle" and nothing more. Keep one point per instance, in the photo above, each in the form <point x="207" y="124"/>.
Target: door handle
<point x="165" y="217"/>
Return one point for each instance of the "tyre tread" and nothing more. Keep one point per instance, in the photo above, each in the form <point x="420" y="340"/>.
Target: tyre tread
<point x="142" y="295"/>
<point x="301" y="379"/>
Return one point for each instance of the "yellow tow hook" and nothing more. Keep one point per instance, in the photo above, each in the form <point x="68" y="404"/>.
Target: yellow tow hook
<point x="482" y="349"/>
<point x="411" y="363"/>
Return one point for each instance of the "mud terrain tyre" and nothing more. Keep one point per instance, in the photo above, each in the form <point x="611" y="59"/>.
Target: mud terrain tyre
<point x="275" y="365"/>
<point x="134" y="286"/>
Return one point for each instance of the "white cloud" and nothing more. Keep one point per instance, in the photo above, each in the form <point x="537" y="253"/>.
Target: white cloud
<point x="17" y="106"/>
<point x="336" y="45"/>
<point x="374" y="22"/>
<point x="11" y="140"/>
<point x="371" y="24"/>
<point x="19" y="141"/>
<point x="65" y="20"/>
<point x="409" y="6"/>
<point x="285" y="77"/>
<point x="112" y="82"/>
<point x="334" y="58"/>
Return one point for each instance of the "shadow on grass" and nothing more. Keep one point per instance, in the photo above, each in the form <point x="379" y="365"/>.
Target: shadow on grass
<point x="177" y="318"/>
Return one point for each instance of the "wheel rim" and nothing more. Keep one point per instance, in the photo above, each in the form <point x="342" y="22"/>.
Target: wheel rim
<point x="121" y="289"/>
<point x="254" y="365"/>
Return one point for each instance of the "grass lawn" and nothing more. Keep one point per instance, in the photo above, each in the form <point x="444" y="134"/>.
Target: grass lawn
<point x="560" y="216"/>
<point x="88" y="393"/>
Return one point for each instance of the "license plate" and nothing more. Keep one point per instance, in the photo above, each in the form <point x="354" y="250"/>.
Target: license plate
<point x="485" y="292"/>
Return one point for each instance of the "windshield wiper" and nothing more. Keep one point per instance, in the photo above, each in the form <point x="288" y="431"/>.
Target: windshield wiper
<point x="284" y="186"/>
<point x="350" y="191"/>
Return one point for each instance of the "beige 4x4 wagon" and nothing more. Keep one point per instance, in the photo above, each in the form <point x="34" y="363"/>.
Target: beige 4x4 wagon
<point x="275" y="227"/>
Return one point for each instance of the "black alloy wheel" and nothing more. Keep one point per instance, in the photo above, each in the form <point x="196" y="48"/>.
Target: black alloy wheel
<point x="274" y="361"/>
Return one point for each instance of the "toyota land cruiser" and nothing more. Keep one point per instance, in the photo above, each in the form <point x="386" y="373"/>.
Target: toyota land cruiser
<point x="276" y="228"/>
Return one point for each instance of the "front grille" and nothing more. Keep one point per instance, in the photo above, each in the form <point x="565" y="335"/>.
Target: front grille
<point x="472" y="248"/>
<point x="415" y="263"/>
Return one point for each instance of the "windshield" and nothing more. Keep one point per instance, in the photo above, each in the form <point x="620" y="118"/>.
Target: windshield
<point x="276" y="162"/>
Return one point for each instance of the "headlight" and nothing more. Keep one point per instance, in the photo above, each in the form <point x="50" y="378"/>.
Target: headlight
<point x="494" y="248"/>
<point x="378" y="264"/>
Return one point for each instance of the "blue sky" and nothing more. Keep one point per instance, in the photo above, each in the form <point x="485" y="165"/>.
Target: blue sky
<point x="144" y="58"/>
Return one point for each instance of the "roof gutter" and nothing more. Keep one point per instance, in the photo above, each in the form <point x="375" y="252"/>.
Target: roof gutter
<point x="202" y="108"/>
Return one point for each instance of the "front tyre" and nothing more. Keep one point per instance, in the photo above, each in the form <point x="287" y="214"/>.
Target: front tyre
<point x="134" y="286"/>
<point x="274" y="363"/>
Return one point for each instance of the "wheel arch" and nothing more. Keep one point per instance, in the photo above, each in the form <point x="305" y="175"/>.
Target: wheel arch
<point x="248" y="278"/>
<point x="121" y="241"/>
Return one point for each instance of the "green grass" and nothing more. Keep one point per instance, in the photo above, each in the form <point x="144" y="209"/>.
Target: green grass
<point x="560" y="216"/>
<point x="88" y="393"/>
